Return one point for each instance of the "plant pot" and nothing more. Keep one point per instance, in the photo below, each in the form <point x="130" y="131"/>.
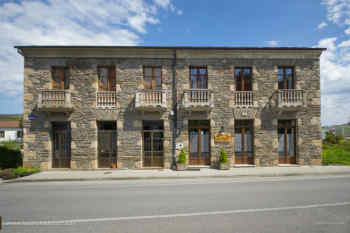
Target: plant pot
<point x="224" y="166"/>
<point x="114" y="165"/>
<point x="180" y="166"/>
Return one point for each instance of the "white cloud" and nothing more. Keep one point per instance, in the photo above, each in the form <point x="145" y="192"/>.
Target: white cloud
<point x="335" y="82"/>
<point x="272" y="43"/>
<point x="179" y="12"/>
<point x="335" y="66"/>
<point x="322" y="25"/>
<point x="68" y="22"/>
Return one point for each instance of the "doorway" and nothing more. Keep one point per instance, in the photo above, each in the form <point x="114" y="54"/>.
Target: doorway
<point x="153" y="148"/>
<point x="107" y="144"/>
<point x="287" y="141"/>
<point x="244" y="142"/>
<point x="61" y="133"/>
<point x="199" y="142"/>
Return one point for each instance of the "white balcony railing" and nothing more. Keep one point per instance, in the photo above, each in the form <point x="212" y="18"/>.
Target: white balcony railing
<point x="54" y="100"/>
<point x="106" y="99"/>
<point x="244" y="99"/>
<point x="150" y="99"/>
<point x="291" y="97"/>
<point x="198" y="98"/>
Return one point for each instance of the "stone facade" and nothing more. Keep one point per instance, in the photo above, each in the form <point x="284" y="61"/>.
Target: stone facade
<point x="82" y="63"/>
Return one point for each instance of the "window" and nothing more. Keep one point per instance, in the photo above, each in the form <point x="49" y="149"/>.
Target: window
<point x="198" y="77"/>
<point x="19" y="134"/>
<point x="60" y="78"/>
<point x="243" y="78"/>
<point x="152" y="77"/>
<point x="286" y="78"/>
<point x="106" y="78"/>
<point x="2" y="134"/>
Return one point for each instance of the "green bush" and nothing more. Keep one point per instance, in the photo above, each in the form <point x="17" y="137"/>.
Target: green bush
<point x="336" y="154"/>
<point x="20" y="171"/>
<point x="223" y="156"/>
<point x="9" y="157"/>
<point x="182" y="157"/>
<point x="331" y="138"/>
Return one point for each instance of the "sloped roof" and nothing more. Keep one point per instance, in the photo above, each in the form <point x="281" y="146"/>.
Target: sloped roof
<point x="9" y="124"/>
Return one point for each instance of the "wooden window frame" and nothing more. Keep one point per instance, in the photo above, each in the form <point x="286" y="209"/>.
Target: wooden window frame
<point x="198" y="75"/>
<point x="284" y="77"/>
<point x="112" y="78"/>
<point x="64" y="82"/>
<point x="153" y="84"/>
<point x="241" y="77"/>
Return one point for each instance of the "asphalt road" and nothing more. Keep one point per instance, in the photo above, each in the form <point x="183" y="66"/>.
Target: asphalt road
<point x="242" y="205"/>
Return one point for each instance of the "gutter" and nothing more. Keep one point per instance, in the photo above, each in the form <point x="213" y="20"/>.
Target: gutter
<point x="174" y="111"/>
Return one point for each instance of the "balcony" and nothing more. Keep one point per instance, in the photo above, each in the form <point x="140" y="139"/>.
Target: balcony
<point x="106" y="100"/>
<point x="244" y="99"/>
<point x="198" y="99"/>
<point x="151" y="100"/>
<point x="291" y="98"/>
<point x="55" y="100"/>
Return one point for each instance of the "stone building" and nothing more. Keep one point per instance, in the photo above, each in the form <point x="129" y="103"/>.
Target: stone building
<point x="88" y="107"/>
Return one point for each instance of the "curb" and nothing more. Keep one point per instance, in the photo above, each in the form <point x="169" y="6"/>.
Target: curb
<point x="20" y="180"/>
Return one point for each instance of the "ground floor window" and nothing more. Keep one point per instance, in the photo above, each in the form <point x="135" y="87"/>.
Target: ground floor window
<point x="199" y="142"/>
<point x="244" y="142"/>
<point x="61" y="135"/>
<point x="107" y="144"/>
<point x="2" y="134"/>
<point x="287" y="141"/>
<point x="153" y="140"/>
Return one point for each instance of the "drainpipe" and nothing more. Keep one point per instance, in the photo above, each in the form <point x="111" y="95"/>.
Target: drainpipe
<point x="174" y="111"/>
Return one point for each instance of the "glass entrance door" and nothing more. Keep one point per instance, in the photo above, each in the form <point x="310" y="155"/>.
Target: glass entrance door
<point x="61" y="145"/>
<point x="244" y="142"/>
<point x="287" y="141"/>
<point x="153" y="137"/>
<point x="199" y="141"/>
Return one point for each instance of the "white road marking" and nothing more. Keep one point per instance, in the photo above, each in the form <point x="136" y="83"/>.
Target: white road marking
<point x="113" y="219"/>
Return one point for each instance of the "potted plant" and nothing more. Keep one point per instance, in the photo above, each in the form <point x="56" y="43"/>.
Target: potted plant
<point x="223" y="161"/>
<point x="181" y="161"/>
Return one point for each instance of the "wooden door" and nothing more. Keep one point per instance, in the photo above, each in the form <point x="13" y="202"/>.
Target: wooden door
<point x="199" y="145"/>
<point x="287" y="141"/>
<point x="106" y="79"/>
<point x="107" y="144"/>
<point x="243" y="78"/>
<point x="61" y="145"/>
<point x="244" y="142"/>
<point x="153" y="140"/>
<point x="60" y="78"/>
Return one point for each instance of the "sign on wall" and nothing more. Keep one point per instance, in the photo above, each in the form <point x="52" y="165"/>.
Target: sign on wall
<point x="222" y="137"/>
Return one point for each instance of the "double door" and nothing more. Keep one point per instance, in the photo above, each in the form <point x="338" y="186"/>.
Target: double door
<point x="244" y="142"/>
<point x="153" y="140"/>
<point x="61" y="145"/>
<point x="199" y="141"/>
<point x="287" y="141"/>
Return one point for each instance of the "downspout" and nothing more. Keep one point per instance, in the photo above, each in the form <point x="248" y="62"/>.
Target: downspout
<point x="174" y="111"/>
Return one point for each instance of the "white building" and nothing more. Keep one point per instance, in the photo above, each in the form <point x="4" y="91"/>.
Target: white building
<point x="10" y="130"/>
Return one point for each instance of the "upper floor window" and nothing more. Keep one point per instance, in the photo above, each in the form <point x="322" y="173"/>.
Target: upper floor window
<point x="152" y="77"/>
<point x="2" y="134"/>
<point x="60" y="78"/>
<point x="286" y="78"/>
<point x="106" y="78"/>
<point x="243" y="77"/>
<point x="198" y="77"/>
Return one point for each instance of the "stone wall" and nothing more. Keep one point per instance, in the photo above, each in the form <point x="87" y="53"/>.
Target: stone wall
<point x="129" y="73"/>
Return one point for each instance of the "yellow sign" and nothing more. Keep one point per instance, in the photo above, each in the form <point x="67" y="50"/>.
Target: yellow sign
<point x="222" y="137"/>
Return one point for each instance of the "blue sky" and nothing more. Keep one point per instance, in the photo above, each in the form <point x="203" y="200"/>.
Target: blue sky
<point x="324" y="23"/>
